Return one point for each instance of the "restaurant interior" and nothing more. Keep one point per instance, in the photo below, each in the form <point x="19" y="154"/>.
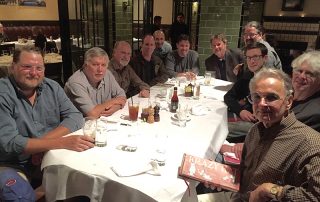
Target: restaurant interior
<point x="74" y="26"/>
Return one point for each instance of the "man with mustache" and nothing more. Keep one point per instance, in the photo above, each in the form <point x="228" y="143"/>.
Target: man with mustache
<point x="123" y="72"/>
<point x="35" y="116"/>
<point x="93" y="89"/>
<point x="281" y="155"/>
<point x="223" y="60"/>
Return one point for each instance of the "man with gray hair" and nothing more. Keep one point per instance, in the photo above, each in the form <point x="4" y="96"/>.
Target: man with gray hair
<point x="253" y="31"/>
<point x="93" y="89"/>
<point x="306" y="85"/>
<point x="277" y="148"/>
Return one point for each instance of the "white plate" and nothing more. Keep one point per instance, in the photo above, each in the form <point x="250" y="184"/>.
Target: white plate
<point x="175" y="117"/>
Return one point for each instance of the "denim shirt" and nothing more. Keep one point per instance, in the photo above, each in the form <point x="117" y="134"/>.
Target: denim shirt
<point x="20" y="120"/>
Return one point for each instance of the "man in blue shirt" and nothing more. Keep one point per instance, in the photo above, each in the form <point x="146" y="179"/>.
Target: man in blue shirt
<point x="35" y="115"/>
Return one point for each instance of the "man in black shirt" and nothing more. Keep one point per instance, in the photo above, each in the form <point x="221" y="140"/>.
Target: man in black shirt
<point x="147" y="66"/>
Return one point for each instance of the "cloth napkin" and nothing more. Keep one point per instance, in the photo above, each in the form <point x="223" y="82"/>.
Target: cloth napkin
<point x="126" y="170"/>
<point x="199" y="110"/>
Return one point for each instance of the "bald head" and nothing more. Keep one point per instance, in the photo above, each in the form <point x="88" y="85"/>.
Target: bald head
<point x="159" y="38"/>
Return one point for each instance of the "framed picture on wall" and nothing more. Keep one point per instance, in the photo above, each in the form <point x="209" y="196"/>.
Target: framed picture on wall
<point x="41" y="3"/>
<point x="292" y="5"/>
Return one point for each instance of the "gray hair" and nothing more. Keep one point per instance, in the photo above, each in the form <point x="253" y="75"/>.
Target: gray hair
<point x="95" y="52"/>
<point x="312" y="59"/>
<point x="257" y="25"/>
<point x="272" y="73"/>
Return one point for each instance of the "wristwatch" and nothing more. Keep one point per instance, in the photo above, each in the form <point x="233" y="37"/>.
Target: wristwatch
<point x="274" y="191"/>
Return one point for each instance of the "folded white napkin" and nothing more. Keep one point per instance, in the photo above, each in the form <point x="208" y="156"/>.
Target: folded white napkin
<point x="199" y="110"/>
<point x="126" y="170"/>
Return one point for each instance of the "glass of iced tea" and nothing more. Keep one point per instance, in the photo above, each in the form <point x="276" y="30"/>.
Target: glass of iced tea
<point x="133" y="110"/>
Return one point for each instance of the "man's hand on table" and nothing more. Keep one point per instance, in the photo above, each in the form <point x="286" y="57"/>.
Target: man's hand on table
<point x="144" y="93"/>
<point x="77" y="142"/>
<point x="110" y="110"/>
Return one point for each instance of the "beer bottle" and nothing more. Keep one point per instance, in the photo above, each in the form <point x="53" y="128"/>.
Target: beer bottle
<point x="174" y="101"/>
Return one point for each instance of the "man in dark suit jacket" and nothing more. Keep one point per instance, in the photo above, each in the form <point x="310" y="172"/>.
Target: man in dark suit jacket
<point x="223" y="60"/>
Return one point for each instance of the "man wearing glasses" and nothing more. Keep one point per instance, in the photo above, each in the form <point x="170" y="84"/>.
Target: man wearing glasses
<point x="236" y="98"/>
<point x="306" y="85"/>
<point x="35" y="116"/>
<point x="253" y="31"/>
<point x="281" y="155"/>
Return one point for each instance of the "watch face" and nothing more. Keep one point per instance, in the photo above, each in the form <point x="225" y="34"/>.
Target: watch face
<point x="274" y="190"/>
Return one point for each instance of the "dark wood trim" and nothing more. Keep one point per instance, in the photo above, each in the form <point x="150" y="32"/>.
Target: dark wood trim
<point x="10" y="23"/>
<point x="276" y="31"/>
<point x="315" y="20"/>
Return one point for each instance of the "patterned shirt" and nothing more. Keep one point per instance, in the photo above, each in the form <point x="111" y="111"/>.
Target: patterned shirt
<point x="287" y="154"/>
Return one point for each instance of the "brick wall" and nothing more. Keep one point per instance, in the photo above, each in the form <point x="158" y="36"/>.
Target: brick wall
<point x="218" y="16"/>
<point x="123" y="21"/>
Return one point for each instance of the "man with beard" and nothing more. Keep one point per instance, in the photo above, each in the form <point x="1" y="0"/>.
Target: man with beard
<point x="280" y="156"/>
<point x="253" y="32"/>
<point x="93" y="89"/>
<point x="223" y="60"/>
<point x="183" y="61"/>
<point x="35" y="116"/>
<point x="123" y="72"/>
<point x="178" y="27"/>
<point x="306" y="85"/>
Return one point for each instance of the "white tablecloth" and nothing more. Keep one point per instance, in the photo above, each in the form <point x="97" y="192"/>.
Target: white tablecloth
<point x="69" y="173"/>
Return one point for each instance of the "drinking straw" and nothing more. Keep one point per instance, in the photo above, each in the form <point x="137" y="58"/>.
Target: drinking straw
<point x="131" y="101"/>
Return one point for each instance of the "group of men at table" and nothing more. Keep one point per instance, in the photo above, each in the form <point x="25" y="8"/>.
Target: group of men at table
<point x="280" y="155"/>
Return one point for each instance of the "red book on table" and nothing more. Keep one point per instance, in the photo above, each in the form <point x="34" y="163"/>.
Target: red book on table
<point x="204" y="170"/>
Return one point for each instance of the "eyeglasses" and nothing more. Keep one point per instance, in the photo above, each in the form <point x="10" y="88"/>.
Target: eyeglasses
<point x="307" y="74"/>
<point x="269" y="98"/>
<point x="27" y="67"/>
<point x="251" y="35"/>
<point x="254" y="58"/>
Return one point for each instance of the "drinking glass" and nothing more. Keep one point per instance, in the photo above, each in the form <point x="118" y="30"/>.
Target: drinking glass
<point x="209" y="77"/>
<point x="90" y="127"/>
<point x="133" y="107"/>
<point x="160" y="149"/>
<point x="101" y="137"/>
<point x="182" y="115"/>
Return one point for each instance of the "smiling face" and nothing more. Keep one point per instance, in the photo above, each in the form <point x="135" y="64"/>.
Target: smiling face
<point x="255" y="59"/>
<point x="122" y="54"/>
<point x="218" y="48"/>
<point x="305" y="81"/>
<point x="95" y="69"/>
<point x="266" y="110"/>
<point x="159" y="38"/>
<point x="183" y="48"/>
<point x="251" y="33"/>
<point x="28" y="72"/>
<point x="148" y="46"/>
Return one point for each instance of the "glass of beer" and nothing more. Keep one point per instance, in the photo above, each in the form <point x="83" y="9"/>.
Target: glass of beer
<point x="133" y="110"/>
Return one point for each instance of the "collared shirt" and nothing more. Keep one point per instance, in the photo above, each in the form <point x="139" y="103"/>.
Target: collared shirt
<point x="163" y="51"/>
<point x="85" y="97"/>
<point x="127" y="78"/>
<point x="19" y="120"/>
<point x="151" y="72"/>
<point x="287" y="154"/>
<point x="273" y="60"/>
<point x="176" y="64"/>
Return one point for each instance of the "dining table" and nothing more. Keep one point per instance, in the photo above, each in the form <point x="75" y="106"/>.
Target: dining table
<point x="6" y="61"/>
<point x="116" y="173"/>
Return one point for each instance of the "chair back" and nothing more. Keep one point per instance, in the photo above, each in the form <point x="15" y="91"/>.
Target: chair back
<point x="54" y="71"/>
<point x="7" y="49"/>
